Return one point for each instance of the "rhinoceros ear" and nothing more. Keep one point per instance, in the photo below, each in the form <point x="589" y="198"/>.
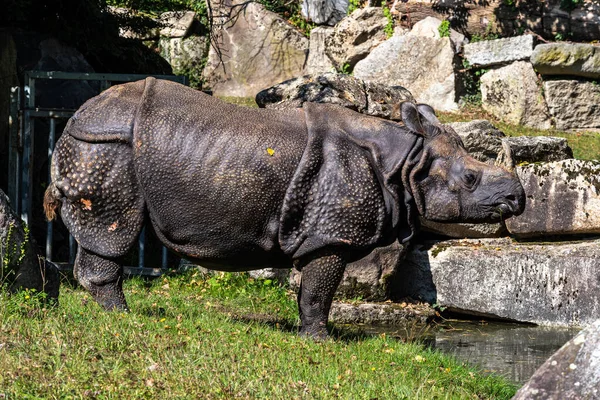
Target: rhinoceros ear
<point x="410" y="117"/>
<point x="428" y="113"/>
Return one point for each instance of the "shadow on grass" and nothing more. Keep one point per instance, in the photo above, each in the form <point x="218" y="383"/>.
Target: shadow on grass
<point x="344" y="334"/>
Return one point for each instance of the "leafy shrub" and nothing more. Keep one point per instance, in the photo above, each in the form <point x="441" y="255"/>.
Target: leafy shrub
<point x="444" y="28"/>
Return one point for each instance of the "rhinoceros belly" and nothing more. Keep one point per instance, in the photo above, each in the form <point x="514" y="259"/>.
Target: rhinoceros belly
<point x="214" y="176"/>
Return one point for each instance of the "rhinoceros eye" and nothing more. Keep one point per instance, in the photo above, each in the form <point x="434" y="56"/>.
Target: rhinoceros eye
<point x="470" y="179"/>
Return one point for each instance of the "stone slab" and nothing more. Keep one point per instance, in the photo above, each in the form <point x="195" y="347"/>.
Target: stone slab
<point x="555" y="284"/>
<point x="563" y="198"/>
<point x="487" y="53"/>
<point x="573" y="104"/>
<point x="560" y="58"/>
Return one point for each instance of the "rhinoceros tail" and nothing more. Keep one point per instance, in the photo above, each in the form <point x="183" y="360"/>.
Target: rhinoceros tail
<point x="52" y="199"/>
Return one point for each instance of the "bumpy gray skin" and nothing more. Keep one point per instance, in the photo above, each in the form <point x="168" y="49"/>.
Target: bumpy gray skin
<point x="235" y="188"/>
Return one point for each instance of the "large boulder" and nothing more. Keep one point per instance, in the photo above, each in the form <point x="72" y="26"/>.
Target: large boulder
<point x="355" y="36"/>
<point x="481" y="139"/>
<point x="324" y="12"/>
<point x="533" y="149"/>
<point x="573" y="104"/>
<point x="254" y="50"/>
<point x="563" y="198"/>
<point x="401" y="61"/>
<point x="176" y="24"/>
<point x="21" y="266"/>
<point x="573" y="372"/>
<point x="368" y="98"/>
<point x="544" y="283"/>
<point x="567" y="59"/>
<point x="318" y="62"/>
<point x="513" y="93"/>
<point x="430" y="27"/>
<point x="487" y="53"/>
<point x="186" y="55"/>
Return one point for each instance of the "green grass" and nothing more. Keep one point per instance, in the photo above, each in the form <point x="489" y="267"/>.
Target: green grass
<point x="190" y="336"/>
<point x="585" y="145"/>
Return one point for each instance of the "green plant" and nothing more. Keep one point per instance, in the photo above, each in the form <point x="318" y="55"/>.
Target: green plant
<point x="12" y="253"/>
<point x="354" y="5"/>
<point x="389" y="26"/>
<point x="488" y="34"/>
<point x="471" y="83"/>
<point x="345" y="69"/>
<point x="444" y="28"/>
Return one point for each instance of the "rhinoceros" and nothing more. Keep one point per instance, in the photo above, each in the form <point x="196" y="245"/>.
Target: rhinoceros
<point x="234" y="188"/>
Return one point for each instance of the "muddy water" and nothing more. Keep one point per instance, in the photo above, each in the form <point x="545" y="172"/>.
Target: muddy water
<point x="512" y="350"/>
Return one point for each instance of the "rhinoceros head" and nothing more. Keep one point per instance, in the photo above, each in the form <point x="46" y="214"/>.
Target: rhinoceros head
<point x="448" y="185"/>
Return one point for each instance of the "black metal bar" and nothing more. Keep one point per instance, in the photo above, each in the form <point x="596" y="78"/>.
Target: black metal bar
<point x="141" y="247"/>
<point x="99" y="76"/>
<point x="13" y="147"/>
<point x="165" y="258"/>
<point x="50" y="113"/>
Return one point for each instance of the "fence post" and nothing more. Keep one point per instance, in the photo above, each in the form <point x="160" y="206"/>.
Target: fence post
<point x="14" y="149"/>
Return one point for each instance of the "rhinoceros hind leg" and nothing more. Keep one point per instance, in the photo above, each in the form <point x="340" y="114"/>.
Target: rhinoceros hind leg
<point x="321" y="275"/>
<point x="102" y="277"/>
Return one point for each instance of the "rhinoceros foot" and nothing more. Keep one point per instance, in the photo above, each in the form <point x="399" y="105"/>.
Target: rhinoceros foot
<point x="103" y="278"/>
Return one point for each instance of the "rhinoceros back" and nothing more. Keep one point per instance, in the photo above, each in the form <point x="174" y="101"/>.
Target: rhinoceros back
<point x="109" y="116"/>
<point x="214" y="175"/>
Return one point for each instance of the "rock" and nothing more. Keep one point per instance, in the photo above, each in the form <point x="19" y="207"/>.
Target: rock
<point x="401" y="61"/>
<point x="176" y="23"/>
<point x="345" y="90"/>
<point x="543" y="283"/>
<point x="573" y="104"/>
<point x="318" y="62"/>
<point x="429" y="27"/>
<point x="513" y="94"/>
<point x="380" y="313"/>
<point x="256" y="49"/>
<point x="22" y="267"/>
<point x="481" y="139"/>
<point x="533" y="149"/>
<point x="324" y="12"/>
<point x="563" y="198"/>
<point x="573" y="372"/>
<point x="487" y="53"/>
<point x="585" y="21"/>
<point x="567" y="59"/>
<point x="70" y="94"/>
<point x="186" y="55"/>
<point x="355" y="36"/>
<point x="462" y="231"/>
<point x="370" y="278"/>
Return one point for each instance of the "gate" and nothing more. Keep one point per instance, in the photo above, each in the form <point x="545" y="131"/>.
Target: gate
<point x="24" y="148"/>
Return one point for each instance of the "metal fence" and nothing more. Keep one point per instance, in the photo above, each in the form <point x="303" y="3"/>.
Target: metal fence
<point x="22" y="151"/>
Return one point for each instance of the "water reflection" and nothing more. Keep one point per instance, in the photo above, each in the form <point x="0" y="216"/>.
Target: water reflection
<point x="512" y="350"/>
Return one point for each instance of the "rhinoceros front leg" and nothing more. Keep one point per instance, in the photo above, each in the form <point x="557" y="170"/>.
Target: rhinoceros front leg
<point x="321" y="275"/>
<point x="102" y="277"/>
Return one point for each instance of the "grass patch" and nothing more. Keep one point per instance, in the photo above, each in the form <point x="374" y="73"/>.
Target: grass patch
<point x="585" y="145"/>
<point x="191" y="336"/>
